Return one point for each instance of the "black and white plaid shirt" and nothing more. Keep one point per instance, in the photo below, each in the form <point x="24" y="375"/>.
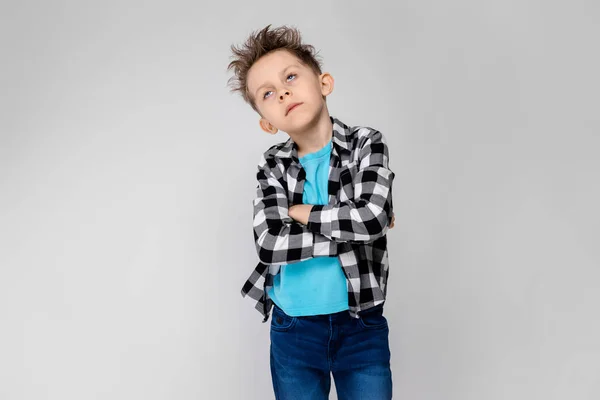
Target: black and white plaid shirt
<point x="352" y="226"/>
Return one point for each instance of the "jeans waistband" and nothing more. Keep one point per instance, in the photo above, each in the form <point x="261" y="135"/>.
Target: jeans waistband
<point x="334" y="316"/>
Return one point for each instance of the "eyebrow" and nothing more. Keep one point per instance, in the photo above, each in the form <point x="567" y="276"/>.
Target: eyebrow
<point x="280" y="74"/>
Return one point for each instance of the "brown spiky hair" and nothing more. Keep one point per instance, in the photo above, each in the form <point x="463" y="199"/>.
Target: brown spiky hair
<point x="263" y="42"/>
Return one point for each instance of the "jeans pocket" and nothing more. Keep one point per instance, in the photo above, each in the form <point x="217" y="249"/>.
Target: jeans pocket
<point x="280" y="321"/>
<point x="373" y="318"/>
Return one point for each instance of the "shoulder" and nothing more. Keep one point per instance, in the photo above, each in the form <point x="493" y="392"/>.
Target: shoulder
<point x="361" y="136"/>
<point x="269" y="158"/>
<point x="273" y="151"/>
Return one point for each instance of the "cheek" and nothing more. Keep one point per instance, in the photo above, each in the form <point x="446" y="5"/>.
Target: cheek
<point x="315" y="91"/>
<point x="271" y="112"/>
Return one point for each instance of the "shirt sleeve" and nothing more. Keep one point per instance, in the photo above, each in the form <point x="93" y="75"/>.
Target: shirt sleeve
<point x="279" y="239"/>
<point x="368" y="216"/>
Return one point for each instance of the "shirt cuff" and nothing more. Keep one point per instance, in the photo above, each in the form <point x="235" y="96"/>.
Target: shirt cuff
<point x="319" y="220"/>
<point x="323" y="247"/>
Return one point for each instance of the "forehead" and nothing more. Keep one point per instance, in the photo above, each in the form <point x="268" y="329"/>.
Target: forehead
<point x="269" y="66"/>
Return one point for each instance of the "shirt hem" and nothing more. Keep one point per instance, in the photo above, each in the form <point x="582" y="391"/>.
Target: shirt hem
<point x="302" y="312"/>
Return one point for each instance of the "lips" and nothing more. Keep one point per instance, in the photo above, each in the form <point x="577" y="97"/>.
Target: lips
<point x="291" y="107"/>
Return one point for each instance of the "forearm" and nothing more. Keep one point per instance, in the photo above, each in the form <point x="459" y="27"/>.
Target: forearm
<point x="278" y="238"/>
<point x="356" y="221"/>
<point x="289" y="242"/>
<point x="367" y="213"/>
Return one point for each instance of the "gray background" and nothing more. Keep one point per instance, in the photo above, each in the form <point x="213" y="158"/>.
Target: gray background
<point x="127" y="173"/>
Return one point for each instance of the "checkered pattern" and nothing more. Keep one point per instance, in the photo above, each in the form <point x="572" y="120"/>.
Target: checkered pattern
<point x="352" y="226"/>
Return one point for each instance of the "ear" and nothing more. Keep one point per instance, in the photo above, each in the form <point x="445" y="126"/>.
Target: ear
<point x="267" y="127"/>
<point x="326" y="83"/>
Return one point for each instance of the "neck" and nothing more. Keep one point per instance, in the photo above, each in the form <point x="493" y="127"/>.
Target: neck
<point x="315" y="136"/>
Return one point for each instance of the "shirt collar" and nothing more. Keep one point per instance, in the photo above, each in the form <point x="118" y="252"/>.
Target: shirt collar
<point x="341" y="141"/>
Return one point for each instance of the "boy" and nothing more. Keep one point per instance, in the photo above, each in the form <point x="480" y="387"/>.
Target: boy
<point x="321" y="214"/>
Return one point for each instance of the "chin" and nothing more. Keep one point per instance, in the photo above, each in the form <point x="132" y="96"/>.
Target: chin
<point x="301" y="120"/>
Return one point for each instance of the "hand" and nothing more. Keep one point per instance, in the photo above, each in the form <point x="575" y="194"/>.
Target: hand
<point x="300" y="212"/>
<point x="393" y="220"/>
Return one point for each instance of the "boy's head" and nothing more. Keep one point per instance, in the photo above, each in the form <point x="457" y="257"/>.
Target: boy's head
<point x="273" y="71"/>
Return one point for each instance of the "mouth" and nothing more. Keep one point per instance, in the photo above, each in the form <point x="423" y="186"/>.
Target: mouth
<point x="292" y="107"/>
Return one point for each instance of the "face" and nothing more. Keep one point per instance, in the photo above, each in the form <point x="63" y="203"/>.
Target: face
<point x="279" y="80"/>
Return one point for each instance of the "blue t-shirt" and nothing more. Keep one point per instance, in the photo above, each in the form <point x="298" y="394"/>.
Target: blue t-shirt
<point x="318" y="285"/>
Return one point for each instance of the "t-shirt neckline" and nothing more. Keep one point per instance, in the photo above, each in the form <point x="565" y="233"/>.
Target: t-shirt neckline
<point x="316" y="154"/>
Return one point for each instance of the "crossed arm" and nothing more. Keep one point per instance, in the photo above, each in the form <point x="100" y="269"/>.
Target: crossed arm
<point x="286" y="233"/>
<point x="301" y="212"/>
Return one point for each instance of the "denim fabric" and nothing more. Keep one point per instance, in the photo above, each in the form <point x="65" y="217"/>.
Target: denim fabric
<point x="306" y="349"/>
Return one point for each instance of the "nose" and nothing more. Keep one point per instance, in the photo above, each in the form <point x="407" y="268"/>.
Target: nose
<point x="287" y="93"/>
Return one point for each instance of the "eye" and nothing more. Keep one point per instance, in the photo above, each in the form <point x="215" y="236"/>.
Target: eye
<point x="265" y="95"/>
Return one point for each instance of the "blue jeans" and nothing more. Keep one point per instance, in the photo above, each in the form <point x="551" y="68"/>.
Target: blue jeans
<point x="305" y="350"/>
